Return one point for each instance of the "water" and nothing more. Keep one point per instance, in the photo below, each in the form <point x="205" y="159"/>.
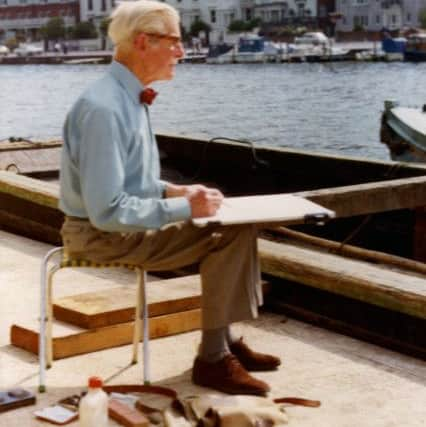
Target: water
<point x="333" y="108"/>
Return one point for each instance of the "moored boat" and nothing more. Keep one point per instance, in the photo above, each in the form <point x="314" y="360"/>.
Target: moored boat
<point x="249" y="49"/>
<point x="403" y="130"/>
<point x="415" y="49"/>
<point x="380" y="220"/>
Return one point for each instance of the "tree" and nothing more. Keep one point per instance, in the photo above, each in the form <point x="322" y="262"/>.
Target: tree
<point x="54" y="29"/>
<point x="197" y="26"/>
<point x="12" y="43"/>
<point x="239" y="26"/>
<point x="85" y="30"/>
<point x="422" y="18"/>
<point x="103" y="28"/>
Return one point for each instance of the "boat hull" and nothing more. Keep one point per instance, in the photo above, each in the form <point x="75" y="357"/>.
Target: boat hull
<point x="403" y="130"/>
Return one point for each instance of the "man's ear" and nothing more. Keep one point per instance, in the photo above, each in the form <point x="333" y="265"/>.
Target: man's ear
<point x="140" y="42"/>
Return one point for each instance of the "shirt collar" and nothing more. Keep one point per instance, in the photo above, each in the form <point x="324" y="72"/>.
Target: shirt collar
<point x="127" y="79"/>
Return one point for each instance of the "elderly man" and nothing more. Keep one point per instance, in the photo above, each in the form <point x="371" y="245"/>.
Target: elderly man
<point x="117" y="208"/>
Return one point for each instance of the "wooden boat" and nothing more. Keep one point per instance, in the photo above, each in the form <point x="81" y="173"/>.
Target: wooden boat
<point x="403" y="130"/>
<point x="31" y="158"/>
<point x="362" y="273"/>
<point x="415" y="49"/>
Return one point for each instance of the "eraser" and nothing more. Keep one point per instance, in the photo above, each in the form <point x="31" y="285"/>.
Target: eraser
<point x="125" y="415"/>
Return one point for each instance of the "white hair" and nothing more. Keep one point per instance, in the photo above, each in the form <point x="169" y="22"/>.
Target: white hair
<point x="132" y="17"/>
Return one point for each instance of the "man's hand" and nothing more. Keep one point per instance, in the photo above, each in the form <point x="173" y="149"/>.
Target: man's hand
<point x="204" y="201"/>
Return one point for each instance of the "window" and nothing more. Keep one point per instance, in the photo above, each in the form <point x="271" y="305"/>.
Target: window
<point x="393" y="19"/>
<point x="408" y="17"/>
<point x="90" y="4"/>
<point x="377" y="19"/>
<point x="103" y="5"/>
<point x="213" y="16"/>
<point x="248" y="14"/>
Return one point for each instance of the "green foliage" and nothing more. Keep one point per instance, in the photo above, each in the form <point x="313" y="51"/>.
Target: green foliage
<point x="358" y="27"/>
<point x="198" y="26"/>
<point x="240" y="26"/>
<point x="85" y="30"/>
<point x="422" y="18"/>
<point x="103" y="27"/>
<point x="12" y="43"/>
<point x="54" y="29"/>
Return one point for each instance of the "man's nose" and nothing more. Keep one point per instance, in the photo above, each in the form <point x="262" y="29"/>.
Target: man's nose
<point x="179" y="51"/>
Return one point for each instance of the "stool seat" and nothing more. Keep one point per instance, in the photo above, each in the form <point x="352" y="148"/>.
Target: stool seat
<point x="57" y="259"/>
<point x="78" y="262"/>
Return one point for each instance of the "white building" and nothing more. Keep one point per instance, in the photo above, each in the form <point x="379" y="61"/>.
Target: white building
<point x="216" y="13"/>
<point x="373" y="15"/>
<point x="276" y="12"/>
<point x="28" y="16"/>
<point x="95" y="10"/>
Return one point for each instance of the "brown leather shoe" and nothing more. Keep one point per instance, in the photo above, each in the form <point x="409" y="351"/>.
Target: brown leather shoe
<point x="251" y="360"/>
<point x="227" y="375"/>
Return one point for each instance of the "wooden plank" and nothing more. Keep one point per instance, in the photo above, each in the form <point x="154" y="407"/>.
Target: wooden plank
<point x="374" y="284"/>
<point x="373" y="197"/>
<point x="82" y="342"/>
<point x="30" y="161"/>
<point x="34" y="190"/>
<point x="117" y="305"/>
<point x="25" y="145"/>
<point x="359" y="199"/>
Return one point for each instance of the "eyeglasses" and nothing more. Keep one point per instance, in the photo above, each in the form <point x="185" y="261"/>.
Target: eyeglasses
<point x="175" y="41"/>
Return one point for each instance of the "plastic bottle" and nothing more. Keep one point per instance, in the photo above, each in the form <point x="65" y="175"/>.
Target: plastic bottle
<point x="93" y="408"/>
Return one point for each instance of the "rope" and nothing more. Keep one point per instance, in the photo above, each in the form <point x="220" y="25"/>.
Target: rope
<point x="257" y="161"/>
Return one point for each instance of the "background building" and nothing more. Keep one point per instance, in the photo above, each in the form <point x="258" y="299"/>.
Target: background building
<point x="218" y="14"/>
<point x="375" y="15"/>
<point x="289" y="11"/>
<point x="26" y="17"/>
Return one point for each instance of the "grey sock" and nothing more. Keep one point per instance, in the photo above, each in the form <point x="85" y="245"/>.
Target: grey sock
<point x="214" y="345"/>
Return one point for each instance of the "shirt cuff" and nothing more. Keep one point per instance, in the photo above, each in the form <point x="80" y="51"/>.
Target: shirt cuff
<point x="162" y="185"/>
<point x="177" y="208"/>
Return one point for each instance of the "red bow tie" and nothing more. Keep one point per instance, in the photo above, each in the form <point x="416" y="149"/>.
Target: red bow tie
<point x="147" y="96"/>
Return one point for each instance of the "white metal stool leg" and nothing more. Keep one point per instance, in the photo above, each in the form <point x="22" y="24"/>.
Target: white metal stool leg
<point x="49" y="317"/>
<point x="142" y="305"/>
<point x="138" y="320"/>
<point x="146" y="368"/>
<point x="43" y="316"/>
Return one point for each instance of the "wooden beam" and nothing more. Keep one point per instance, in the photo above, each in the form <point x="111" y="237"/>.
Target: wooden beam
<point x="33" y="190"/>
<point x="373" y="284"/>
<point x="362" y="199"/>
<point x="346" y="201"/>
<point x="117" y="305"/>
<point x="73" y="344"/>
<point x="25" y="145"/>
<point x="354" y="252"/>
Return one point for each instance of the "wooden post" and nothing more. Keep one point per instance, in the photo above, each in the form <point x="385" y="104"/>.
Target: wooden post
<point x="419" y="241"/>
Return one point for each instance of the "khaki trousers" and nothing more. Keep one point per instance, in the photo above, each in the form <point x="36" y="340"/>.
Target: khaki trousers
<point x="227" y="259"/>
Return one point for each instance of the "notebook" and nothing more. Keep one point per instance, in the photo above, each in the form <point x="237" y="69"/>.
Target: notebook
<point x="283" y="209"/>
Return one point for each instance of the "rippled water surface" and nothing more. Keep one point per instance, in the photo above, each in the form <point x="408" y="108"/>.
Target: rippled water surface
<point x="332" y="108"/>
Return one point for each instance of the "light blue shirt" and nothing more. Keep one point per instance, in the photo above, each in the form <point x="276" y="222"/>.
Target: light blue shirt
<point x="110" y="168"/>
